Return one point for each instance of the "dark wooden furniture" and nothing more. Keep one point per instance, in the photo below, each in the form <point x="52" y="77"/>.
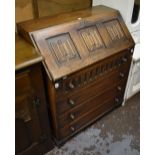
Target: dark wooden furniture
<point x="87" y="58"/>
<point x="32" y="130"/>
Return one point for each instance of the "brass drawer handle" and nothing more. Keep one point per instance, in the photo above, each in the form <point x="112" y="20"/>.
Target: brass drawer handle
<point x="56" y="85"/>
<point x="124" y="59"/>
<point x="116" y="100"/>
<point x="121" y="75"/>
<point x="72" y="128"/>
<point x="71" y="102"/>
<point x="132" y="50"/>
<point x="71" y="86"/>
<point x="119" y="88"/>
<point x="72" y="116"/>
<point x="36" y="102"/>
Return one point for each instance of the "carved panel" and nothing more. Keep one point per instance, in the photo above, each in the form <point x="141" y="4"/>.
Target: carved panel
<point x="95" y="71"/>
<point x="81" y="40"/>
<point x="91" y="38"/>
<point x="114" y="30"/>
<point x="62" y="48"/>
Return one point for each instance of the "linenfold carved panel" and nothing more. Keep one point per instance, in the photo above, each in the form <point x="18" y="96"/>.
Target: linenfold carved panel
<point x="91" y="38"/>
<point x="62" y="48"/>
<point x="73" y="45"/>
<point x="114" y="30"/>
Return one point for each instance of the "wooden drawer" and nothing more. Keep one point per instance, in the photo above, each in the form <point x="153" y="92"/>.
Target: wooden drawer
<point x="78" y="80"/>
<point x="94" y="101"/>
<point x="100" y="79"/>
<point x="79" y="96"/>
<point x="90" y="116"/>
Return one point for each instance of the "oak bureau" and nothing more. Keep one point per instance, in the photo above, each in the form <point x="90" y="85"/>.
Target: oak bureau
<point x="87" y="56"/>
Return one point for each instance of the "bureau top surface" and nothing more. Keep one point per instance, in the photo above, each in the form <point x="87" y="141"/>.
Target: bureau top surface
<point x="25" y="54"/>
<point x="69" y="42"/>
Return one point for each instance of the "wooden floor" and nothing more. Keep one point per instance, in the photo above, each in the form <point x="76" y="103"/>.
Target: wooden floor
<point x="117" y="133"/>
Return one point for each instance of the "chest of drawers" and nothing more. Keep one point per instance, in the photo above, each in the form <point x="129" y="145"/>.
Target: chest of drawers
<point x="88" y="94"/>
<point x="87" y="60"/>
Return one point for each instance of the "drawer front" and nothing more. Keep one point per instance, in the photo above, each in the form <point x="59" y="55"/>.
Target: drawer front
<point x="78" y="80"/>
<point x="78" y="112"/>
<point x="99" y="85"/>
<point x="90" y="117"/>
